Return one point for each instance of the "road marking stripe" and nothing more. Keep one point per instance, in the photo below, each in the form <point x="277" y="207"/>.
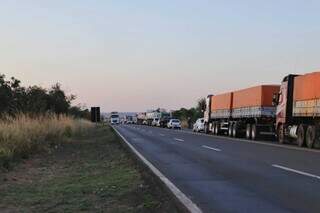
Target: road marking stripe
<point x="162" y="134"/>
<point x="191" y="206"/>
<point x="178" y="139"/>
<point x="208" y="147"/>
<point x="296" y="171"/>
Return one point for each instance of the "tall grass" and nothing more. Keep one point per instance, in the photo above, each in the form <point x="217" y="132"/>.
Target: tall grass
<point x="23" y="135"/>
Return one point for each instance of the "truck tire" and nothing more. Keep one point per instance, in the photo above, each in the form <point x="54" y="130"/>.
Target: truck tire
<point x="230" y="129"/>
<point x="217" y="128"/>
<point x="301" y="133"/>
<point x="254" y="132"/>
<point x="235" y="130"/>
<point x="311" y="136"/>
<point x="214" y="128"/>
<point x="248" y="132"/>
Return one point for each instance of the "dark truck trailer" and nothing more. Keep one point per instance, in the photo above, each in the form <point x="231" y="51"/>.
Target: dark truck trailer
<point x="298" y="110"/>
<point x="247" y="112"/>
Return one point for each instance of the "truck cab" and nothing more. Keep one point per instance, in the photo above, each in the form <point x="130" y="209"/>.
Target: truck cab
<point x="284" y="103"/>
<point x="207" y="114"/>
<point x="114" y="118"/>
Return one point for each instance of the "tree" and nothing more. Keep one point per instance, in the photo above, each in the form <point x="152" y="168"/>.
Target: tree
<point x="36" y="100"/>
<point x="201" y="105"/>
<point x="58" y="101"/>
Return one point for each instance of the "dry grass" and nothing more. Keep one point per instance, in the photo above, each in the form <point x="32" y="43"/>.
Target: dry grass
<point x="24" y="135"/>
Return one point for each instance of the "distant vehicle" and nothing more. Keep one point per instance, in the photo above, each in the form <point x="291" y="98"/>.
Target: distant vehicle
<point x="174" y="124"/>
<point x="114" y="118"/>
<point x="129" y="119"/>
<point x="155" y="122"/>
<point x="199" y="125"/>
<point x="158" y="124"/>
<point x="145" y="122"/>
<point x="141" y="117"/>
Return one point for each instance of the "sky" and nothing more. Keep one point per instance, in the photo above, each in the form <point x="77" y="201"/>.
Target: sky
<point x="125" y="55"/>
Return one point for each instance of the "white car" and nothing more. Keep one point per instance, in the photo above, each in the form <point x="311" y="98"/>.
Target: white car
<point x="174" y="124"/>
<point x="199" y="125"/>
<point x="155" y="122"/>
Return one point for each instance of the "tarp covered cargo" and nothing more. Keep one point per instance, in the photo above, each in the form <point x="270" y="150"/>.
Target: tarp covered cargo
<point x="254" y="101"/>
<point x="306" y="95"/>
<point x="254" y="96"/>
<point x="221" y="105"/>
<point x="307" y="87"/>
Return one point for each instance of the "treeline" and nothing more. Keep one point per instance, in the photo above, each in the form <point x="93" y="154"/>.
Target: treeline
<point x="189" y="116"/>
<point x="15" y="98"/>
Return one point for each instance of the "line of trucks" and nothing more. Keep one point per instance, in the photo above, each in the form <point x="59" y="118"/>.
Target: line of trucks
<point x="159" y="117"/>
<point x="290" y="111"/>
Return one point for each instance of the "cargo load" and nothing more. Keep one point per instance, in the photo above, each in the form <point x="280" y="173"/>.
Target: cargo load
<point x="306" y="95"/>
<point x="221" y="105"/>
<point x="254" y="101"/>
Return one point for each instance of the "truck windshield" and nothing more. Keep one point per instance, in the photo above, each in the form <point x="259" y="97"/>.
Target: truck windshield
<point x="114" y="116"/>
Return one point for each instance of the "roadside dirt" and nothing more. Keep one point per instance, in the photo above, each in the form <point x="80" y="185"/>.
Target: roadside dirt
<point x="93" y="173"/>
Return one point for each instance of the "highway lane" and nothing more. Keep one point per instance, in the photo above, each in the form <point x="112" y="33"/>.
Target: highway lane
<point x="225" y="175"/>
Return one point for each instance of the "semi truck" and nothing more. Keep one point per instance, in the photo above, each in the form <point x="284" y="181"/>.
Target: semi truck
<point x="248" y="112"/>
<point x="161" y="114"/>
<point x="114" y="118"/>
<point x="298" y="110"/>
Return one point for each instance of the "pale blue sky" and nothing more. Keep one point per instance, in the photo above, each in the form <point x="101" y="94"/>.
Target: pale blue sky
<point x="137" y="55"/>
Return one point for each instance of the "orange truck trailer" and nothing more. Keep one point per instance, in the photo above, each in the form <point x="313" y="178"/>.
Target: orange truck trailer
<point x="298" y="109"/>
<point x="248" y="112"/>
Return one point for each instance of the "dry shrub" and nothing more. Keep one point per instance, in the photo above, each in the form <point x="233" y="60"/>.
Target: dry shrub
<point x="23" y="135"/>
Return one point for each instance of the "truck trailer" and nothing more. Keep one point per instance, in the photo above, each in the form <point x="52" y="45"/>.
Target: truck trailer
<point x="298" y="110"/>
<point x="248" y="112"/>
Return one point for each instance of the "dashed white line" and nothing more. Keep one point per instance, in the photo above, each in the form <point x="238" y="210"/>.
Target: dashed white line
<point x="162" y="135"/>
<point x="296" y="171"/>
<point x="178" y="139"/>
<point x="214" y="149"/>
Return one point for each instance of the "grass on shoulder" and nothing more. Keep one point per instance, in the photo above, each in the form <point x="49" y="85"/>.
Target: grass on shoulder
<point x="91" y="173"/>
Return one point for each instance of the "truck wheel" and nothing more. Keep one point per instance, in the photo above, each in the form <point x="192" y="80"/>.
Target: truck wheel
<point x="230" y="129"/>
<point x="311" y="136"/>
<point x="281" y="135"/>
<point x="254" y="132"/>
<point x="217" y="128"/>
<point x="214" y="128"/>
<point x="301" y="135"/>
<point x="235" y="130"/>
<point x="248" y="132"/>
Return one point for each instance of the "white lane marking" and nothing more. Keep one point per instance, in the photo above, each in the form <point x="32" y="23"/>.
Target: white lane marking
<point x="162" y="134"/>
<point x="208" y="147"/>
<point x="254" y="142"/>
<point x="191" y="206"/>
<point x="178" y="139"/>
<point x="296" y="171"/>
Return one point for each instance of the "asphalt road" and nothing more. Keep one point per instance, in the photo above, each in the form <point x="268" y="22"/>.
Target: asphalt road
<point x="221" y="174"/>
